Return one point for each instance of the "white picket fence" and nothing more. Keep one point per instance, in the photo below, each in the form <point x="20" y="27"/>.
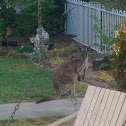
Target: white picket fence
<point x="80" y="22"/>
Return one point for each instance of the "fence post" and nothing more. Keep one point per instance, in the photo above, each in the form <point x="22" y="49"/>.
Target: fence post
<point x="86" y="33"/>
<point x="65" y="25"/>
<point x="81" y="24"/>
<point x="98" y="15"/>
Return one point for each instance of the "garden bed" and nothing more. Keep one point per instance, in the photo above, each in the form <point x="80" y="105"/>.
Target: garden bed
<point x="65" y="48"/>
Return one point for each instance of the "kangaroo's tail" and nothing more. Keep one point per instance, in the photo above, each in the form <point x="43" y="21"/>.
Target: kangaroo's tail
<point x="46" y="99"/>
<point x="57" y="88"/>
<point x="42" y="100"/>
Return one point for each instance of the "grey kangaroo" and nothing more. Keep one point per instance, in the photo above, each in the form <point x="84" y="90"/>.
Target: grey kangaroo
<point x="68" y="72"/>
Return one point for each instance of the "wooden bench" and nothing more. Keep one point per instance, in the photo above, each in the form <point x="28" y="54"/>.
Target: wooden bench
<point x="102" y="107"/>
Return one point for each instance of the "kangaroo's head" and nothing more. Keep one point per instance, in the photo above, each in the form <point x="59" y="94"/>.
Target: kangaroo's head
<point x="84" y="53"/>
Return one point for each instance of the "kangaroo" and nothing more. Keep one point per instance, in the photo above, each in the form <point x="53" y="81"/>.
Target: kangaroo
<point x="67" y="73"/>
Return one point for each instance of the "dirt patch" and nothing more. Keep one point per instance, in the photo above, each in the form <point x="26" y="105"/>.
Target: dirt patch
<point x="10" y="51"/>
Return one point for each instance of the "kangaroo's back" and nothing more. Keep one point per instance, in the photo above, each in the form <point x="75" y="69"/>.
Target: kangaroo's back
<point x="67" y="72"/>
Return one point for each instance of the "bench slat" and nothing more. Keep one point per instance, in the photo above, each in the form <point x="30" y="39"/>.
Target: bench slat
<point x="106" y="110"/>
<point x="96" y="108"/>
<point x="124" y="121"/>
<point x="85" y="106"/>
<point x="112" y="108"/>
<point x="102" y="106"/>
<point x="122" y="114"/>
<point x="90" y="112"/>
<point x="118" y="109"/>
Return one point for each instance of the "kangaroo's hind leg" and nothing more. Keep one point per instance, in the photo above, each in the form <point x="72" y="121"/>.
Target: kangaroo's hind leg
<point x="73" y="89"/>
<point x="72" y="96"/>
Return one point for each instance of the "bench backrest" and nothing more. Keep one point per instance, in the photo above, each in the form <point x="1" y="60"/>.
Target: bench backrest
<point x="102" y="107"/>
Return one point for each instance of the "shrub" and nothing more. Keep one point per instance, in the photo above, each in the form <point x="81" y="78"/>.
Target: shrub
<point x="2" y="32"/>
<point x="119" y="59"/>
<point x="106" y="41"/>
<point x="26" y="23"/>
<point x="104" y="76"/>
<point x="104" y="66"/>
<point x="6" y="17"/>
<point x="55" y="61"/>
<point x="23" y="49"/>
<point x="61" y="51"/>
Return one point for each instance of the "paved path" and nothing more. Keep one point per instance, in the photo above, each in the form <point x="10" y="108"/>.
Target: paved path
<point x="32" y="110"/>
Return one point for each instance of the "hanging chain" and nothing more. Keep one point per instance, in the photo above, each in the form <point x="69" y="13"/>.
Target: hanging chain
<point x="42" y="47"/>
<point x="35" y="71"/>
<point x="40" y="26"/>
<point x="22" y="96"/>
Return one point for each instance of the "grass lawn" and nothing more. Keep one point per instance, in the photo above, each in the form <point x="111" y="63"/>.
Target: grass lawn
<point x="44" y="121"/>
<point x="14" y="76"/>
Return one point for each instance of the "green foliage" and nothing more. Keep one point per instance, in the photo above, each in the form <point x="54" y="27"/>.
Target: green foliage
<point x="62" y="51"/>
<point x="45" y="55"/>
<point x="4" y="122"/>
<point x="56" y="60"/>
<point x="2" y="32"/>
<point x="104" y="76"/>
<point x="117" y="4"/>
<point x="6" y="18"/>
<point x="23" y="49"/>
<point x="106" y="41"/>
<point x="56" y="19"/>
<point x="119" y="61"/>
<point x="26" y="23"/>
<point x="103" y="66"/>
<point x="68" y="49"/>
